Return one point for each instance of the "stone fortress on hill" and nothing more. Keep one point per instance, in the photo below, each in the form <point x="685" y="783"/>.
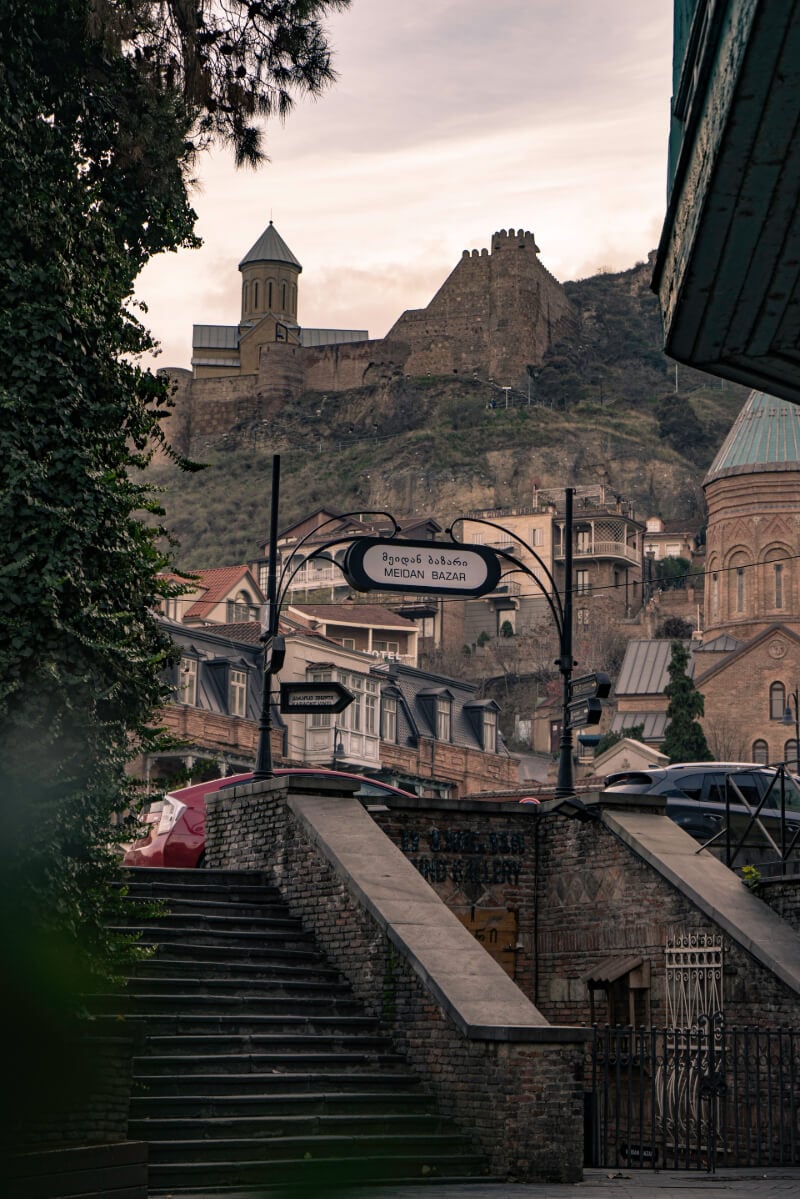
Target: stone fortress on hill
<point x="495" y="316"/>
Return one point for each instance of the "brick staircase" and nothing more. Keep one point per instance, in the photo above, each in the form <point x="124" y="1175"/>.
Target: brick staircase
<point x="260" y="1068"/>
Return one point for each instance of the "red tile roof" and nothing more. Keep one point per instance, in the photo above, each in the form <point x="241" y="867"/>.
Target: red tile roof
<point x="217" y="584"/>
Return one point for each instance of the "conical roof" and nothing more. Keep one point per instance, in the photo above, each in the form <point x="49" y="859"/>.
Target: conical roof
<point x="765" y="437"/>
<point x="270" y="247"/>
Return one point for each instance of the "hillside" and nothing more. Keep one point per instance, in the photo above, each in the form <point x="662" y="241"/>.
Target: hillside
<point x="603" y="405"/>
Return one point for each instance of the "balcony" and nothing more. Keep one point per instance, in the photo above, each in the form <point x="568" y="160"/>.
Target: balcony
<point x="617" y="550"/>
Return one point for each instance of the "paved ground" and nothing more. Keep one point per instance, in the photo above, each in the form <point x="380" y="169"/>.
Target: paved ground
<point x="597" y="1184"/>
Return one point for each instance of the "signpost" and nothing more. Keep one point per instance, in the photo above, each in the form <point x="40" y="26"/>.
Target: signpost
<point x="374" y="564"/>
<point x="315" y="697"/>
<point x="585" y="693"/>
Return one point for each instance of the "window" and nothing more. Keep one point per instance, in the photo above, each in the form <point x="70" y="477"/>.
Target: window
<point x="790" y="754"/>
<point x="389" y="718"/>
<point x="386" y="647"/>
<point x="777" y="701"/>
<point x="238" y="693"/>
<point x="740" y="589"/>
<point x="582" y="584"/>
<point x="584" y="541"/>
<point x="255" y="294"/>
<point x="348" y="643"/>
<point x="537" y="536"/>
<point x="283" y="297"/>
<point x="241" y="607"/>
<point x="490" y="732"/>
<point x="715" y="595"/>
<point x="778" y="568"/>
<point x="370" y="714"/>
<point x="269" y="294"/>
<point x="443" y="719"/>
<point x="760" y="752"/>
<point x="582" y="617"/>
<point x="187" y="685"/>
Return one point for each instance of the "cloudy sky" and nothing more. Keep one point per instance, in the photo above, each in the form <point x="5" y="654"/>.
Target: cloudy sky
<point x="450" y="119"/>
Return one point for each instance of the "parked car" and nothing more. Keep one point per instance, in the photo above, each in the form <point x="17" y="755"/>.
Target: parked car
<point x="176" y="825"/>
<point x="696" y="797"/>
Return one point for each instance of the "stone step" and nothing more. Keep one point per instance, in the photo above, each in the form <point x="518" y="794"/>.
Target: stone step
<point x="177" y="1005"/>
<point x="213" y="1045"/>
<point x="295" y="983"/>
<point x="246" y="1025"/>
<point x="272" y="969"/>
<point x="206" y="1107"/>
<point x="282" y="1057"/>
<point x="221" y="935"/>
<point x="206" y="949"/>
<point x="327" y="1173"/>
<point x="176" y="1129"/>
<point x="192" y="912"/>
<point x="274" y="1082"/>
<point x="417" y="1146"/>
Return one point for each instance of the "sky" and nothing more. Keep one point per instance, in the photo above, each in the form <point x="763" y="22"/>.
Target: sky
<point x="449" y="120"/>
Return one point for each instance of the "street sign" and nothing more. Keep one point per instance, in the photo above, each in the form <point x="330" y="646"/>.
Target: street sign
<point x="373" y="564"/>
<point x="583" y="712"/>
<point x="587" y="685"/>
<point x="315" y="697"/>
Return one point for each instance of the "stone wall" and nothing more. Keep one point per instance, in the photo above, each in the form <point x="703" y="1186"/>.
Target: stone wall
<point x="783" y="896"/>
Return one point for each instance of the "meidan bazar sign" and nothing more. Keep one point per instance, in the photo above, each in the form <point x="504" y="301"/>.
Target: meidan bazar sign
<point x="375" y="564"/>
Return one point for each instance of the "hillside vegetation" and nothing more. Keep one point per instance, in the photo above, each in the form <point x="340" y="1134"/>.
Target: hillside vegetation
<point x="602" y="407"/>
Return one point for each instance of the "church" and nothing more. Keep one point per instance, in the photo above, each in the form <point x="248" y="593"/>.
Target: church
<point x="747" y="664"/>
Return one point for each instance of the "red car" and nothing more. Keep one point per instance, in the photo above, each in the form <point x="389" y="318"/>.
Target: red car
<point x="176" y="824"/>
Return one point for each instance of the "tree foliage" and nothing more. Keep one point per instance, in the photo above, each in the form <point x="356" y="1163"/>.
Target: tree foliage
<point x="103" y="104"/>
<point x="684" y="740"/>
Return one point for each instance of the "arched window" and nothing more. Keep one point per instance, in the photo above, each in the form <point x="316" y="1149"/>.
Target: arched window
<point x="778" y="576"/>
<point x="760" y="752"/>
<point x="269" y="294"/>
<point x="790" y="754"/>
<point x="245" y="297"/>
<point x="738" y="584"/>
<point x="255" y="296"/>
<point x="715" y="595"/>
<point x="777" y="701"/>
<point x="283" y="297"/>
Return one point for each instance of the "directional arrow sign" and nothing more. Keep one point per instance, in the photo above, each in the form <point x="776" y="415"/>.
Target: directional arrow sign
<point x="587" y="685"/>
<point x="315" y="697"/>
<point x="583" y="712"/>
<point x="372" y="564"/>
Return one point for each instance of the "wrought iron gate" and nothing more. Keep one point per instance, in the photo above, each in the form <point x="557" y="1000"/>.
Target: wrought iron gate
<point x="694" y="1098"/>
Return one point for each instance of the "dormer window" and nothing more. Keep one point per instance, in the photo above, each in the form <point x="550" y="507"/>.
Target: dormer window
<point x="389" y="718"/>
<point x="490" y="731"/>
<point x="444" y="718"/>
<point x="241" y="608"/>
<point x="187" y="682"/>
<point x="237" y="692"/>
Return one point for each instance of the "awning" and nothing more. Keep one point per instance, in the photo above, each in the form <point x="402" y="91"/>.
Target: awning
<point x="609" y="970"/>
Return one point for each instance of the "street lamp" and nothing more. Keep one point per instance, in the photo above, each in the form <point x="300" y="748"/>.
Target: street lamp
<point x="794" y="719"/>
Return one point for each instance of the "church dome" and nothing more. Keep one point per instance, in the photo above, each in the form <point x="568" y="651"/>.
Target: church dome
<point x="765" y="437"/>
<point x="270" y="247"/>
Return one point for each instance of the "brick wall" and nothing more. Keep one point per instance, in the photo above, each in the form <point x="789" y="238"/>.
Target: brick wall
<point x="783" y="896"/>
<point x="92" y="1108"/>
<point x="521" y="1099"/>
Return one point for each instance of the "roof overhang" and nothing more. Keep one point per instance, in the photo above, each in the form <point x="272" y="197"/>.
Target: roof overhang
<point x="727" y="270"/>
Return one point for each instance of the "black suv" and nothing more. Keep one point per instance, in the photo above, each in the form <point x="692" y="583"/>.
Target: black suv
<point x="696" y="794"/>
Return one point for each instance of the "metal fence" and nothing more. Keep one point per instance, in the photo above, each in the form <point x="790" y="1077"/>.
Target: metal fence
<point x="694" y="1099"/>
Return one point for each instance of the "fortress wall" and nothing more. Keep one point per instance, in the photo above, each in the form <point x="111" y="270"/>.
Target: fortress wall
<point x="341" y="367"/>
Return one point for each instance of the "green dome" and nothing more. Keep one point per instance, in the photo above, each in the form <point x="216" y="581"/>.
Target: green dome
<point x="765" y="437"/>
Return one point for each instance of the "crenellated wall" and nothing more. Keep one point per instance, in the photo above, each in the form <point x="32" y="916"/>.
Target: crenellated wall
<point x="495" y="315"/>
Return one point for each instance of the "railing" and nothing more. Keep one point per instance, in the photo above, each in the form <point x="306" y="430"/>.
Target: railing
<point x="694" y="1099"/>
<point x="602" y="549"/>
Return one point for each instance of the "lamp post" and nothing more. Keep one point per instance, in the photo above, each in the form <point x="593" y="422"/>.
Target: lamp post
<point x="794" y="719"/>
<point x="561" y="611"/>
